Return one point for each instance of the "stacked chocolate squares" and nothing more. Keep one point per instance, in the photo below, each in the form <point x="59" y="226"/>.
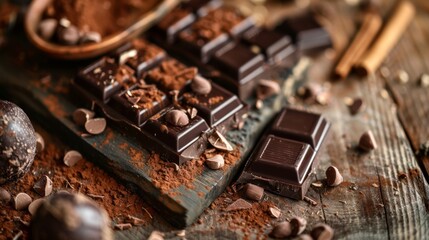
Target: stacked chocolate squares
<point x="229" y="46"/>
<point x="166" y="104"/>
<point x="286" y="156"/>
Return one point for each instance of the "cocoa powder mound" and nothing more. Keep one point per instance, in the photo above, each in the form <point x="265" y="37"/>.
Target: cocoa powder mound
<point x="249" y="221"/>
<point x="84" y="177"/>
<point x="166" y="177"/>
<point x="103" y="16"/>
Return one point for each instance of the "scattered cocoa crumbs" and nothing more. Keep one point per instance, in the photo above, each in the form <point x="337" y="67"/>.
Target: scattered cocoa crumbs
<point x="253" y="220"/>
<point x="52" y="103"/>
<point x="215" y="100"/>
<point x="84" y="177"/>
<point x="166" y="178"/>
<point x="136" y="157"/>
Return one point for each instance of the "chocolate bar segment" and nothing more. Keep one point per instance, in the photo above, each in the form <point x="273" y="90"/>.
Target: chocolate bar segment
<point x="238" y="61"/>
<point x="283" y="159"/>
<point x="105" y="78"/>
<point x="140" y="102"/>
<point x="174" y="22"/>
<point x="215" y="107"/>
<point x="306" y="32"/>
<point x="272" y="44"/>
<point x="301" y="126"/>
<point x="142" y="56"/>
<point x="230" y="20"/>
<point x="171" y="75"/>
<point x="176" y="138"/>
<point x="282" y="163"/>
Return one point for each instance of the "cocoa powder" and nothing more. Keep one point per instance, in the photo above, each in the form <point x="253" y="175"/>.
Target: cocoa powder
<point x="116" y="15"/>
<point x="84" y="177"/>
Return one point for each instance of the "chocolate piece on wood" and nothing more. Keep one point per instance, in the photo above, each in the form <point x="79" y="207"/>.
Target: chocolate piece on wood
<point x="176" y="138"/>
<point x="307" y="33"/>
<point x="104" y="78"/>
<point x="239" y="62"/>
<point x="281" y="162"/>
<point x="215" y="107"/>
<point x="140" y="102"/>
<point x="301" y="126"/>
<point x="274" y="45"/>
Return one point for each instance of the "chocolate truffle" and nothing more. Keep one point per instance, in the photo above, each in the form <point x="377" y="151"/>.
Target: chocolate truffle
<point x="70" y="216"/>
<point x="17" y="142"/>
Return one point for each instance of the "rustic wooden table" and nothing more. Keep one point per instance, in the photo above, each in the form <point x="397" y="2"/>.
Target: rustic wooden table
<point x="375" y="201"/>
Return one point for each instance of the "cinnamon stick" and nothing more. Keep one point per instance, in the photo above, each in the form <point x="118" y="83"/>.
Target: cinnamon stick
<point x="389" y="36"/>
<point x="371" y="25"/>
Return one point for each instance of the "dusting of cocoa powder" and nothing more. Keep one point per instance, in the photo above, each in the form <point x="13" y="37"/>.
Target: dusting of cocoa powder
<point x="84" y="177"/>
<point x="103" y="16"/>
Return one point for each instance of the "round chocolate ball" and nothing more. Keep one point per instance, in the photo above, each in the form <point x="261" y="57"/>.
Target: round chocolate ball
<point x="70" y="216"/>
<point x="17" y="142"/>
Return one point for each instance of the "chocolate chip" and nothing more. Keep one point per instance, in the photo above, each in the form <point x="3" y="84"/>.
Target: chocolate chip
<point x="177" y="118"/>
<point x="71" y="158"/>
<point x="44" y="186"/>
<point x="82" y="115"/>
<point x="218" y="141"/>
<point x="95" y="126"/>
<point x="47" y="28"/>
<point x="90" y="37"/>
<point x="367" y="141"/>
<point x="322" y="232"/>
<point x="424" y="80"/>
<point x="281" y="230"/>
<point x="21" y="201"/>
<point x="155" y="235"/>
<point x="68" y="35"/>
<point x="239" y="204"/>
<point x="356" y="106"/>
<point x="192" y="112"/>
<point x="333" y="176"/>
<point x="34" y="205"/>
<point x="40" y="143"/>
<point x="253" y="192"/>
<point x="4" y="196"/>
<point x="267" y="88"/>
<point x="200" y="85"/>
<point x="298" y="225"/>
<point x="215" y="162"/>
<point x="274" y="212"/>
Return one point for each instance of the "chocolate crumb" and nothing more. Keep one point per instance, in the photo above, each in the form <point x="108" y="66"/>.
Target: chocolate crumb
<point x="95" y="126"/>
<point x="253" y="192"/>
<point x="310" y="201"/>
<point x="267" y="88"/>
<point x="356" y="106"/>
<point x="218" y="141"/>
<point x="44" y="186"/>
<point x="32" y="208"/>
<point x="5" y="196"/>
<point x="82" y="115"/>
<point x="21" y="201"/>
<point x="367" y="141"/>
<point x="239" y="204"/>
<point x="177" y="118"/>
<point x="216" y="162"/>
<point x="274" y="212"/>
<point x="123" y="226"/>
<point x="201" y="85"/>
<point x="281" y="230"/>
<point x="298" y="225"/>
<point x="333" y="176"/>
<point x="322" y="232"/>
<point x="71" y="158"/>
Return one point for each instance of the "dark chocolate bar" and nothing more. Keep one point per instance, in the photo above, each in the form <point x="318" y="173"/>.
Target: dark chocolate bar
<point x="284" y="159"/>
<point x="307" y="33"/>
<point x="143" y="109"/>
<point x="226" y="45"/>
<point x="173" y="23"/>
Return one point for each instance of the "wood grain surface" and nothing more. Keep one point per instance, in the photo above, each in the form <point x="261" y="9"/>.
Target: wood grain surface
<point x="384" y="194"/>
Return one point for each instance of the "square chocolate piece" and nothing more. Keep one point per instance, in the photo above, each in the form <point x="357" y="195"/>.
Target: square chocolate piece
<point x="142" y="56"/>
<point x="272" y="44"/>
<point x="104" y="78"/>
<point x="215" y="107"/>
<point x="203" y="39"/>
<point x="175" y="138"/>
<point x="238" y="61"/>
<point x="283" y="159"/>
<point x="174" y="22"/>
<point x="231" y="21"/>
<point x="306" y="32"/>
<point x="140" y="102"/>
<point x="301" y="126"/>
<point x="171" y="74"/>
